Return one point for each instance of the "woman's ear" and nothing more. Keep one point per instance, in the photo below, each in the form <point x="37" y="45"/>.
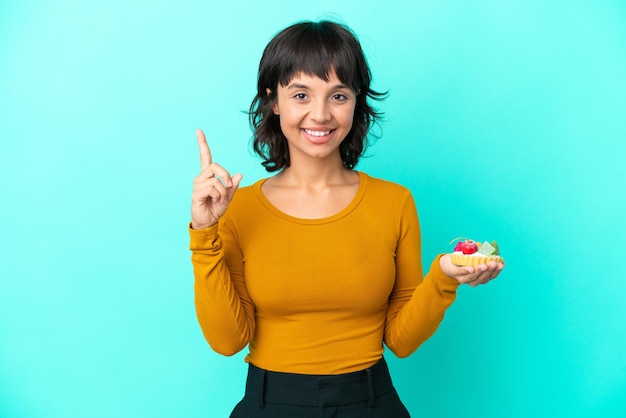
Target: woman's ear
<point x="275" y="106"/>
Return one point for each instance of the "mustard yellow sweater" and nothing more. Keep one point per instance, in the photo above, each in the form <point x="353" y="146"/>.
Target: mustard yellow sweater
<point x="318" y="296"/>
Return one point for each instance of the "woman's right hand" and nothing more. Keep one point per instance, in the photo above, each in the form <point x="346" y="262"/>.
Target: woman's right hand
<point x="213" y="189"/>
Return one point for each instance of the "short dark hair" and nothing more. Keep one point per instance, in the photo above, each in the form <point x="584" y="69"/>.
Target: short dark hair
<point x="316" y="49"/>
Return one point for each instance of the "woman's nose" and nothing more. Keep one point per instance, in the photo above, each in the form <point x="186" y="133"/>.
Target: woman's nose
<point x="320" y="111"/>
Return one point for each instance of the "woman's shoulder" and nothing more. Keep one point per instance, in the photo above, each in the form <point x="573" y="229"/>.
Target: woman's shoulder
<point x="379" y="185"/>
<point x="248" y="192"/>
<point x="385" y="196"/>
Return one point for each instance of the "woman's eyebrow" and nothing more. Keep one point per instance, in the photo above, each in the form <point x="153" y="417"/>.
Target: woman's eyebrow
<point x="297" y="86"/>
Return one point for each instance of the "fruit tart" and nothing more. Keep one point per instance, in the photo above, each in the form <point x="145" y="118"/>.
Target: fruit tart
<point x="468" y="252"/>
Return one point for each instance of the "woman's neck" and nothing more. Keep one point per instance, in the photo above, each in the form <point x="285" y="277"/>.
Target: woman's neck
<point x="315" y="174"/>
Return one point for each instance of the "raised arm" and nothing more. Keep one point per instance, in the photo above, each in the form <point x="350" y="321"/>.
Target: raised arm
<point x="223" y="307"/>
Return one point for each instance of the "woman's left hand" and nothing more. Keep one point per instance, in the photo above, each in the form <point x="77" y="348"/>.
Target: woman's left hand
<point x="472" y="275"/>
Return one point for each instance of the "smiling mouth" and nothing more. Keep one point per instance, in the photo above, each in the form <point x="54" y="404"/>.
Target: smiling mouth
<point x="317" y="133"/>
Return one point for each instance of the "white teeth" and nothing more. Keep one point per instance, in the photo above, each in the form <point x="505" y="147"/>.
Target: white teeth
<point x="317" y="133"/>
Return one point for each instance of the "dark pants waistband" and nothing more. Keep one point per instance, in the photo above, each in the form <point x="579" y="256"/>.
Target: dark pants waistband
<point x="318" y="390"/>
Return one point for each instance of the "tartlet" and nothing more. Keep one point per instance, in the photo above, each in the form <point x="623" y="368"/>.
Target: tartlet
<point x="468" y="252"/>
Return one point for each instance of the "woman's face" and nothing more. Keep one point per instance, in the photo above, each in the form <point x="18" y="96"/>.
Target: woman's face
<point x="315" y="115"/>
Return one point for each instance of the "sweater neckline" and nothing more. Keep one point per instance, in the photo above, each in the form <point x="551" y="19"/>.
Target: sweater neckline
<point x="256" y="187"/>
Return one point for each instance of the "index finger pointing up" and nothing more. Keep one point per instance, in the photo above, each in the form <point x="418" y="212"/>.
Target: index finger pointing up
<point x="205" y="152"/>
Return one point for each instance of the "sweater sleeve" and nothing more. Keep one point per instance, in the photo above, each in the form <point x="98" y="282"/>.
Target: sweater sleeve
<point x="416" y="304"/>
<point x="223" y="306"/>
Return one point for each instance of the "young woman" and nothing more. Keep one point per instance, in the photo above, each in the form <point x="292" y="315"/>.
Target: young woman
<point x="317" y="266"/>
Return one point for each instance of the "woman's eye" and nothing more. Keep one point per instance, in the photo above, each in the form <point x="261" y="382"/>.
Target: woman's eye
<point x="340" y="97"/>
<point x="300" y="96"/>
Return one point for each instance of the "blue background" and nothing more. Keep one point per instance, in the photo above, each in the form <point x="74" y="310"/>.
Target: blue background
<point x="505" y="118"/>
